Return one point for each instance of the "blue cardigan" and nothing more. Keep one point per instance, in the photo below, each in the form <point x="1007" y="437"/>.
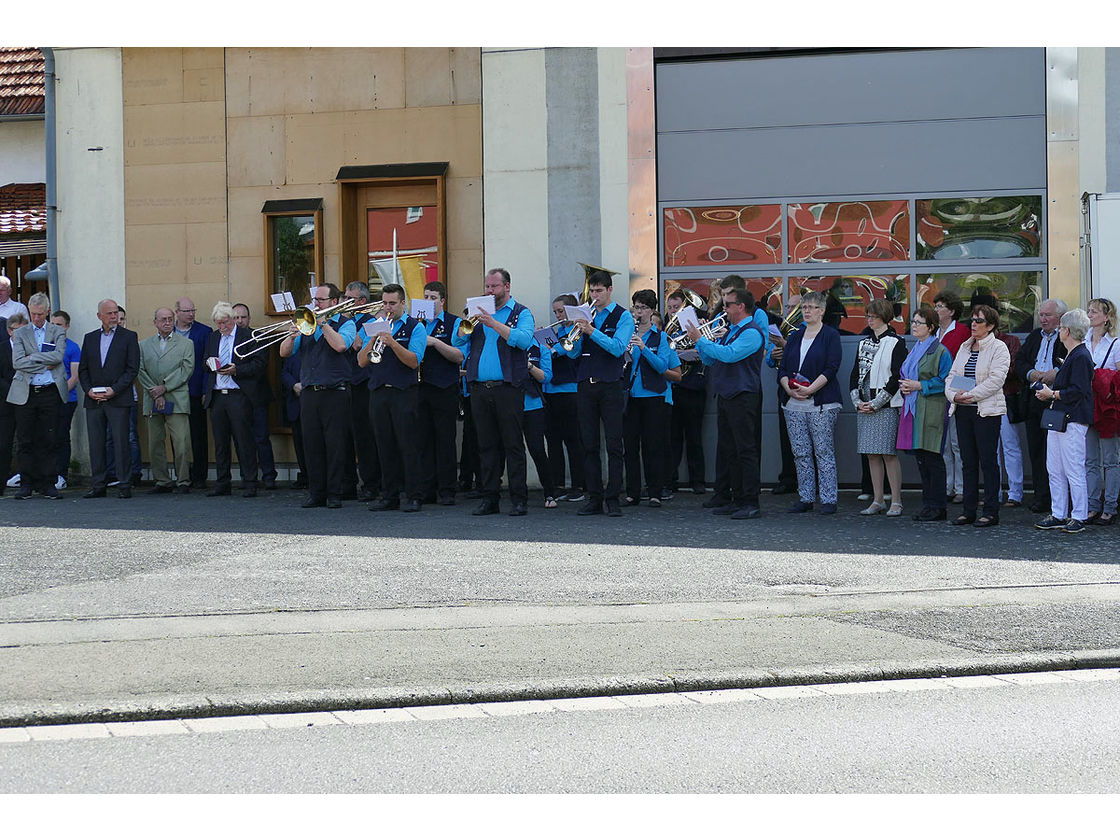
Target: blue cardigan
<point x="1075" y="381"/>
<point x="824" y="356"/>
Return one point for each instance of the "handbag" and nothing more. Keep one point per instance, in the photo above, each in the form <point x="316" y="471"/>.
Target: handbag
<point x="1053" y="419"/>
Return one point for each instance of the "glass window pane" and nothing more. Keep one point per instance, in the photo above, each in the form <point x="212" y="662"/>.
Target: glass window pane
<point x="848" y="296"/>
<point x="995" y="228"/>
<point x="417" y="235"/>
<point x="767" y="291"/>
<point x="293" y="254"/>
<point x="1017" y="293"/>
<point x="734" y="235"/>
<point x="849" y="231"/>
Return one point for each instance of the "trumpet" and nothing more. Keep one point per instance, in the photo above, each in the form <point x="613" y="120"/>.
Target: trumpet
<point x="306" y="320"/>
<point x="376" y="351"/>
<point x="569" y="341"/>
<point x="711" y="329"/>
<point x="467" y="323"/>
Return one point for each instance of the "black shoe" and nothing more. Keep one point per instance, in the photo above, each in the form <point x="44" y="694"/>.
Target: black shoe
<point x="827" y="508"/>
<point x="411" y="506"/>
<point x="800" y="507"/>
<point x="51" y="493"/>
<point x="519" y="509"/>
<point x="781" y="489"/>
<point x="613" y="508"/>
<point x="270" y="485"/>
<point x="250" y="493"/>
<point x="333" y="502"/>
<point x="1040" y="507"/>
<point x="591" y="508"/>
<point x="716" y="501"/>
<point x="198" y="485"/>
<point x="986" y="521"/>
<point x="219" y="491"/>
<point x="160" y="489"/>
<point x="964" y="519"/>
<point x="726" y="509"/>
<point x="23" y="493"/>
<point x="124" y="493"/>
<point x="699" y="489"/>
<point x="486" y="508"/>
<point x="446" y="500"/>
<point x="385" y="504"/>
<point x="367" y="496"/>
<point x="747" y="512"/>
<point x="474" y="494"/>
<point x="632" y="501"/>
<point x="183" y="489"/>
<point x="94" y="494"/>
<point x="312" y="502"/>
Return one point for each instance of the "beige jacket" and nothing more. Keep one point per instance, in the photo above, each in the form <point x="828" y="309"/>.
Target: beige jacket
<point x="992" y="365"/>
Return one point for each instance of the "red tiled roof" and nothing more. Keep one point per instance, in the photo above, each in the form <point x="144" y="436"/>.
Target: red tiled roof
<point x="23" y="208"/>
<point x="21" y="81"/>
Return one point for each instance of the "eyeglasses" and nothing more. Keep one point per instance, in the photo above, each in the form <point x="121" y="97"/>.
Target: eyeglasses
<point x="919" y="322"/>
<point x="806" y="306"/>
<point x="320" y="298"/>
<point x="184" y="310"/>
<point x="940" y="306"/>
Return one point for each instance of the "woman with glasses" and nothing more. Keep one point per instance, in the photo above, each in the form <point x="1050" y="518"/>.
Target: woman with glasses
<point x="975" y="394"/>
<point x="875" y="394"/>
<point x="1103" y="479"/>
<point x="921" y="424"/>
<point x="1071" y="393"/>
<point x="811" y="403"/>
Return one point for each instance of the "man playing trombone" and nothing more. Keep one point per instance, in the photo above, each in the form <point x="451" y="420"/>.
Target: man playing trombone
<point x="325" y="397"/>
<point x="497" y="369"/>
<point x="393" y="358"/>
<point x="600" y="347"/>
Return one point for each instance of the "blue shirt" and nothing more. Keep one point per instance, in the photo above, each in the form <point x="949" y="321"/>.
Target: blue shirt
<point x="617" y="344"/>
<point x="73" y="355"/>
<point x="520" y="336"/>
<point x="44" y="377"/>
<point x="664" y="359"/>
<point x="745" y="344"/>
<point x="348" y="332"/>
<point x="533" y="403"/>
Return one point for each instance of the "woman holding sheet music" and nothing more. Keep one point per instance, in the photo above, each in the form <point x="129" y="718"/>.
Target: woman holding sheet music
<point x="975" y="394"/>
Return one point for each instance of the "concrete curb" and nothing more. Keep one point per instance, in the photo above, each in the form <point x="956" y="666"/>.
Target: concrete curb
<point x="174" y="706"/>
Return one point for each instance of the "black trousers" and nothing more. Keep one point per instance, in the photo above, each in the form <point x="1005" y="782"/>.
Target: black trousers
<point x="438" y="411"/>
<point x="738" y="420"/>
<point x="470" y="472"/>
<point x="200" y="445"/>
<point x="979" y="440"/>
<point x="602" y="403"/>
<point x="498" y="416"/>
<point x="728" y="473"/>
<point x="325" y="417"/>
<point x="7" y="440"/>
<point x="36" y="421"/>
<point x="686" y="429"/>
<point x="645" y="436"/>
<point x="231" y="417"/>
<point x="262" y="434"/>
<point x="562" y="432"/>
<point x="535" y="424"/>
<point x="931" y="467"/>
<point x="1036" y="447"/>
<point x="392" y="411"/>
<point x="62" y="436"/>
<point x="100" y="418"/>
<point x="361" y="443"/>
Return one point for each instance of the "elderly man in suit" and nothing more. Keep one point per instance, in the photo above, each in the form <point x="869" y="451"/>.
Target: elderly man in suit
<point x="166" y="365"/>
<point x="38" y="390"/>
<point x="7" y="410"/>
<point x="227" y="397"/>
<point x="109" y="364"/>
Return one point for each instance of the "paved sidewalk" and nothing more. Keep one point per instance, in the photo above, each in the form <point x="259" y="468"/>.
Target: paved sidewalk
<point x="168" y="614"/>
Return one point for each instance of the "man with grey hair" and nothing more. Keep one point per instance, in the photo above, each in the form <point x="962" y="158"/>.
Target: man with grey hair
<point x="38" y="390"/>
<point x="7" y="410"/>
<point x="231" y="409"/>
<point x="109" y="364"/>
<point x="199" y="334"/>
<point x="8" y="306"/>
<point x="1037" y="364"/>
<point x="166" y="365"/>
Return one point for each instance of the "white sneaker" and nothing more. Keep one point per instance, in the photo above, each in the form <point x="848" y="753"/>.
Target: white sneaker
<point x="14" y="481"/>
<point x="114" y="483"/>
<point x="60" y="484"/>
<point x="863" y="497"/>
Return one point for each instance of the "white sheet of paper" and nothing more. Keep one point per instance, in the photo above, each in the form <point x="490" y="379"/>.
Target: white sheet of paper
<point x="686" y="318"/>
<point x="372" y="328"/>
<point x="483" y="303"/>
<point x="278" y="302"/>
<point x="424" y="309"/>
<point x="289" y="301"/>
<point x="579" y="313"/>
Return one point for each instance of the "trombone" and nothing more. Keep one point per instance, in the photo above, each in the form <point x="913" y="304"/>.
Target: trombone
<point x="712" y="329"/>
<point x="306" y="320"/>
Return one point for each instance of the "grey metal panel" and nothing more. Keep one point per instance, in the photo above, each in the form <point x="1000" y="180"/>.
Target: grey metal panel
<point x="851" y="87"/>
<point x="915" y="157"/>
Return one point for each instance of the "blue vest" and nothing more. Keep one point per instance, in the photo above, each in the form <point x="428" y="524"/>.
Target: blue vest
<point x="435" y="370"/>
<point x="320" y="364"/>
<point x="391" y="370"/>
<point x="531" y="386"/>
<point x="745" y="375"/>
<point x="564" y="369"/>
<point x="358" y="375"/>
<point x="597" y="363"/>
<point x="651" y="379"/>
<point x="514" y="361"/>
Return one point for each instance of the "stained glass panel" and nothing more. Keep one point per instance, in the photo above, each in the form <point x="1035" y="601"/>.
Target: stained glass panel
<point x="849" y="231"/>
<point x="848" y="296"/>
<point x="733" y="235"/>
<point x="1017" y="293"/>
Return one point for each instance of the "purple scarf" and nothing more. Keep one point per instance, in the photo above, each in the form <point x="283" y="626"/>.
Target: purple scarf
<point x="910" y="371"/>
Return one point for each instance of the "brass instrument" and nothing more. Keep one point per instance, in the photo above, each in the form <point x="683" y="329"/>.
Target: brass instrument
<point x="306" y="320"/>
<point x="376" y="351"/>
<point x="569" y="341"/>
<point x="467" y="323"/>
<point x="691" y="299"/>
<point x="712" y="329"/>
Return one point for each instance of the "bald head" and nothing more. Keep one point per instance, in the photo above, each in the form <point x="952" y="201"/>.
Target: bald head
<point x="108" y="314"/>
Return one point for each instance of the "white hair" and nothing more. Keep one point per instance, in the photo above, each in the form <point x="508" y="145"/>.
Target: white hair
<point x="222" y="309"/>
<point x="1077" y="322"/>
<point x="1063" y="307"/>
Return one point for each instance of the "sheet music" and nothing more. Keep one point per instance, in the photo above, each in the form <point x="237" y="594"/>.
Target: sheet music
<point x="583" y="312"/>
<point x="372" y="328"/>
<point x="545" y="337"/>
<point x="425" y="310"/>
<point x="483" y="303"/>
<point x="687" y="317"/>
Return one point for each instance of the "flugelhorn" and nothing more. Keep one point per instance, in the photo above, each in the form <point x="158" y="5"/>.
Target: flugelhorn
<point x="711" y="329"/>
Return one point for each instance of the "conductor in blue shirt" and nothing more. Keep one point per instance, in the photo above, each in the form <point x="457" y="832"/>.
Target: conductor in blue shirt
<point x="497" y="367"/>
<point x="602" y="391"/>
<point x="735" y="370"/>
